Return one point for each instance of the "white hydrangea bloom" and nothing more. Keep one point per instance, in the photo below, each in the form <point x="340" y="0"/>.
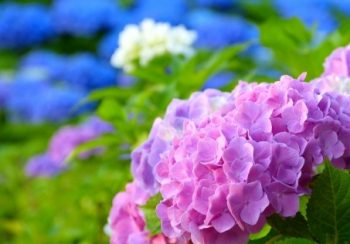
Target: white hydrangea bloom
<point x="141" y="44"/>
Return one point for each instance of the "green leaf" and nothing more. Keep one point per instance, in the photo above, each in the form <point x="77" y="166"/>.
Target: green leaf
<point x="152" y="220"/>
<point x="110" y="92"/>
<point x="303" y="205"/>
<point x="294" y="241"/>
<point x="328" y="211"/>
<point x="110" y="109"/>
<point x="219" y="60"/>
<point x="261" y="234"/>
<point x="293" y="227"/>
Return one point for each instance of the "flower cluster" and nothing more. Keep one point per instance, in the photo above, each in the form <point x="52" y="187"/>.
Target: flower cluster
<point x="138" y="45"/>
<point x="169" y="11"/>
<point x="321" y="15"/>
<point x="147" y="156"/>
<point x="49" y="103"/>
<point x="224" y="162"/>
<point x="84" y="17"/>
<point x="59" y="83"/>
<point x="232" y="29"/>
<point x="24" y="26"/>
<point x="338" y="63"/>
<point x="63" y="144"/>
<point x="223" y="176"/>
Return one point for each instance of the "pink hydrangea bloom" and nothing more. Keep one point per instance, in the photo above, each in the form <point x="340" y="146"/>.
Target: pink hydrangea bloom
<point x="146" y="156"/>
<point x="126" y="220"/>
<point x="227" y="173"/>
<point x="338" y="63"/>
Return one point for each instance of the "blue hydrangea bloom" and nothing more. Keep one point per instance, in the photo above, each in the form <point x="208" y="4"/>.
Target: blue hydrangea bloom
<point x="24" y="25"/>
<point x="33" y="100"/>
<point x="224" y="4"/>
<point x="85" y="17"/>
<point x="86" y="72"/>
<point x="311" y="12"/>
<point x="46" y="63"/>
<point x="172" y="11"/>
<point x="217" y="30"/>
<point x="4" y="91"/>
<point x="108" y="45"/>
<point x="219" y="80"/>
<point x="341" y="5"/>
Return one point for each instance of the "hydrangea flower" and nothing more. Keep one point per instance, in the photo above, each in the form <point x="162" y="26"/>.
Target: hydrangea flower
<point x="161" y="11"/>
<point x="338" y="63"/>
<point x="49" y="103"/>
<point x="84" y="17"/>
<point x="86" y="72"/>
<point x="141" y="44"/>
<point x="24" y="25"/>
<point x="225" y="175"/>
<point x="43" y="166"/>
<point x="147" y="155"/>
<point x="320" y="15"/>
<point x="208" y="24"/>
<point x="63" y="143"/>
<point x="68" y="138"/>
<point x="222" y="4"/>
<point x="43" y="63"/>
<point x="108" y="45"/>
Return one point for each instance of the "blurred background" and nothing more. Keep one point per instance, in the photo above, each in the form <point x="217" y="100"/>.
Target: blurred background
<point x="55" y="54"/>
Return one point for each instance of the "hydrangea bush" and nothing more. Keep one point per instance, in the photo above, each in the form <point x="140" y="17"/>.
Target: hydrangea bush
<point x="223" y="163"/>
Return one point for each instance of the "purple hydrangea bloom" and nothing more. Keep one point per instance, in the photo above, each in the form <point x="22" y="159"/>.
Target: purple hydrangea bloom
<point x="68" y="138"/>
<point x="338" y="63"/>
<point x="146" y="156"/>
<point x="63" y="143"/>
<point x="24" y="25"/>
<point x="44" y="166"/>
<point x="227" y="173"/>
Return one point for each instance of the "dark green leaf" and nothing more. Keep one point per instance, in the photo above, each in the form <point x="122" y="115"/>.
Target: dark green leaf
<point x="152" y="220"/>
<point x="293" y="227"/>
<point x="328" y="210"/>
<point x="294" y="241"/>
